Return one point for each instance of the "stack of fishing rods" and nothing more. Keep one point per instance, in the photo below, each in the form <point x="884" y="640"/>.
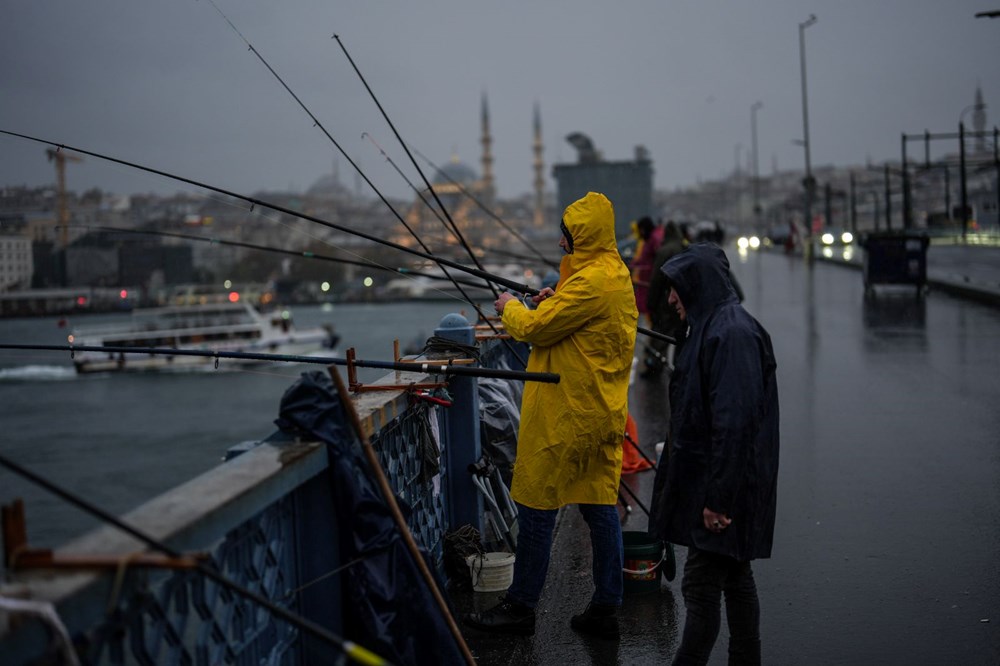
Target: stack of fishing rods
<point x="426" y="254"/>
<point x="489" y="281"/>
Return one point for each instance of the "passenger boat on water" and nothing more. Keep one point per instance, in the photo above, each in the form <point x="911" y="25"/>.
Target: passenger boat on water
<point x="225" y="326"/>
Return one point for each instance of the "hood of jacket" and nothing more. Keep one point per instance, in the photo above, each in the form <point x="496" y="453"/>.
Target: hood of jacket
<point x="700" y="275"/>
<point x="591" y="222"/>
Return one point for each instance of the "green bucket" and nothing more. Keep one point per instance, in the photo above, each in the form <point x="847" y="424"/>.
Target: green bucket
<point x="646" y="562"/>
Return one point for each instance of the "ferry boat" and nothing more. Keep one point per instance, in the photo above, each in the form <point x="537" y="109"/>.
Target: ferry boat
<point x="225" y="326"/>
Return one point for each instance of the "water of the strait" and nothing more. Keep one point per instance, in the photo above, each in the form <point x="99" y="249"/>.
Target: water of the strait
<point x="121" y="439"/>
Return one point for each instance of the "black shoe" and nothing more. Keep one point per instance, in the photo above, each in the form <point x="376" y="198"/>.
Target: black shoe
<point x="507" y="617"/>
<point x="598" y="620"/>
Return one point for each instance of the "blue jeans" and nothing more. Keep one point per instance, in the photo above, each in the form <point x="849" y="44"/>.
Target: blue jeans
<point x="706" y="577"/>
<point x="534" y="546"/>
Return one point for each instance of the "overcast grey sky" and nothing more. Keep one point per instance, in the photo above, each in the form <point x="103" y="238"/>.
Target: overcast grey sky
<point x="170" y="85"/>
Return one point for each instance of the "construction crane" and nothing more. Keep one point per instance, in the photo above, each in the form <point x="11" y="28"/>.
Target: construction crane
<point x="60" y="157"/>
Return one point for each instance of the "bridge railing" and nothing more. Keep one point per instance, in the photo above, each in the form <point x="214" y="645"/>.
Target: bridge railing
<point x="265" y="519"/>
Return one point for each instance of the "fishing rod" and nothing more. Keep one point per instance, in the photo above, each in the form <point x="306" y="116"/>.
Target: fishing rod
<point x="416" y="166"/>
<point x="485" y="275"/>
<point x="430" y="367"/>
<point x="350" y="649"/>
<point x="357" y="168"/>
<point x="343" y="152"/>
<point x="406" y="272"/>
<point x="486" y="210"/>
<point x="366" y="135"/>
<point x="454" y="229"/>
<point x="513" y="285"/>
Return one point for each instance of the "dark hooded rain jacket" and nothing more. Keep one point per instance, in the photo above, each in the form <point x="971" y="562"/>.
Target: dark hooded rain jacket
<point x="723" y="417"/>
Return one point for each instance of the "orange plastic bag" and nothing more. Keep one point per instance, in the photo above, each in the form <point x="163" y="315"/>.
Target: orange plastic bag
<point x="632" y="460"/>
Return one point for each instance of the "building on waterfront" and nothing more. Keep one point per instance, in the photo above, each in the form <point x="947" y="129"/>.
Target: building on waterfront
<point x="627" y="183"/>
<point x="16" y="262"/>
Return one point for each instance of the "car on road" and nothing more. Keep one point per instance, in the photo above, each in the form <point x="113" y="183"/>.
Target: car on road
<point x="835" y="236"/>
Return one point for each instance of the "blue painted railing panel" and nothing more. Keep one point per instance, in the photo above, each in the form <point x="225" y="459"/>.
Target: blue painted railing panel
<point x="286" y="551"/>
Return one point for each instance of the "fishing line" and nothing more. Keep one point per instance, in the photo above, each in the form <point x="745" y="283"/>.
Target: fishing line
<point x="355" y="652"/>
<point x="411" y="274"/>
<point x="453" y="229"/>
<point x="462" y="189"/>
<point x="486" y="210"/>
<point x="357" y="168"/>
<point x="427" y="183"/>
<point x="510" y="284"/>
<point x="361" y="259"/>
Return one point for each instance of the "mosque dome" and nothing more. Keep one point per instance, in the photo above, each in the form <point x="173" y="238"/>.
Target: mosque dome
<point x="456" y="171"/>
<point x="328" y="185"/>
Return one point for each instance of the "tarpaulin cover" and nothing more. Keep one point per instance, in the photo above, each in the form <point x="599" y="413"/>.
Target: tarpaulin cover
<point x="499" y="418"/>
<point x="388" y="607"/>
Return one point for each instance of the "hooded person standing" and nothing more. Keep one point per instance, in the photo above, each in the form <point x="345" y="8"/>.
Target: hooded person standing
<point x="650" y="236"/>
<point x="662" y="315"/>
<point x="717" y="492"/>
<point x="569" y="448"/>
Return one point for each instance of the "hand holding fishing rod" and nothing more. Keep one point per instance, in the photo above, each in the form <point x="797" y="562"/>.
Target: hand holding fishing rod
<point x="509" y="296"/>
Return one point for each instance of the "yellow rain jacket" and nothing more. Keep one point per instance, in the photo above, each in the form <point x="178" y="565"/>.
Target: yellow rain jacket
<point x="569" y="448"/>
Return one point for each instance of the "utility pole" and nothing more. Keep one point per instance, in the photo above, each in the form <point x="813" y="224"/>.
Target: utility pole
<point x="756" y="175"/>
<point x="809" y="182"/>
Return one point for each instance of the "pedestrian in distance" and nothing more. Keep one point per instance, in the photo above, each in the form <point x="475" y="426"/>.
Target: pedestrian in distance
<point x="650" y="235"/>
<point x="569" y="448"/>
<point x="657" y="354"/>
<point x="717" y="492"/>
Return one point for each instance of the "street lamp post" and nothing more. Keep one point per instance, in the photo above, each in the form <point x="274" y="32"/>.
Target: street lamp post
<point x="808" y="183"/>
<point x="756" y="176"/>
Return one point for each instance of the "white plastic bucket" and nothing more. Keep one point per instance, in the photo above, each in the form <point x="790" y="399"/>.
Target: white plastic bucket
<point x="491" y="572"/>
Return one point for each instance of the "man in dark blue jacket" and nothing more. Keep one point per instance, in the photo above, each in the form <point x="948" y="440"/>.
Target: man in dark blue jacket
<point x="717" y="492"/>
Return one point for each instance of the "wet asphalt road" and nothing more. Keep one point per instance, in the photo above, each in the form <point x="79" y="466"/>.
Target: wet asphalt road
<point x="887" y="545"/>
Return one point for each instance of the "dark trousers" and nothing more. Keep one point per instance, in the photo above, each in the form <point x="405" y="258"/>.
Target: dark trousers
<point x="534" y="545"/>
<point x="707" y="576"/>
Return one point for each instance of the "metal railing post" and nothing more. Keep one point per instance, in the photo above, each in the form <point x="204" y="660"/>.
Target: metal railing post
<point x="465" y="504"/>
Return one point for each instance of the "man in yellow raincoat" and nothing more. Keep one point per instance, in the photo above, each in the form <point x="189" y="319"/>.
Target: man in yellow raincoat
<point x="569" y="448"/>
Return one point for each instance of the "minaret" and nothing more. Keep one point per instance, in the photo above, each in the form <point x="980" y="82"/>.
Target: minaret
<point x="489" y="189"/>
<point x="539" y="170"/>
<point x="979" y="121"/>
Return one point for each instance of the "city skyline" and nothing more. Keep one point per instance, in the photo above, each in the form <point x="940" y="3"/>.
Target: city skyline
<point x="175" y="87"/>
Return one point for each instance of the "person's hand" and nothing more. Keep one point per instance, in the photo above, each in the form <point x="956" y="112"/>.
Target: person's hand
<point x="715" y="522"/>
<point x="504" y="298"/>
<point x="542" y="295"/>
